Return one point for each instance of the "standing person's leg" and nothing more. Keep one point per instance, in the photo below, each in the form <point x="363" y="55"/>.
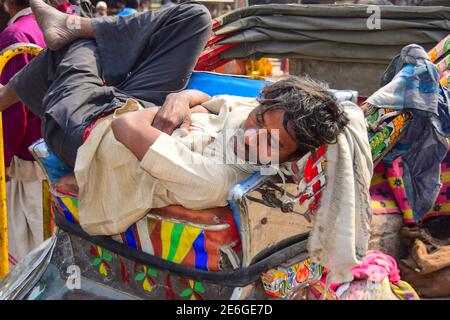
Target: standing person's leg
<point x="25" y="227"/>
<point x="19" y="237"/>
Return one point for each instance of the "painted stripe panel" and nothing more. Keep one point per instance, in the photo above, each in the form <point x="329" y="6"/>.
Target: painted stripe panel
<point x="72" y="205"/>
<point x="187" y="239"/>
<point x="67" y="214"/>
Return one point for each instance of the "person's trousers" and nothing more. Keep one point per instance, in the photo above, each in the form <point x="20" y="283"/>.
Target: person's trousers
<point x="24" y="207"/>
<point x="143" y="56"/>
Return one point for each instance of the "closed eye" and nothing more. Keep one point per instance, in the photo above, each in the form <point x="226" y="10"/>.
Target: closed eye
<point x="260" y="119"/>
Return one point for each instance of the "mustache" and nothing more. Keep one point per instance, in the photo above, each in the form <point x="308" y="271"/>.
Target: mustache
<point x="252" y="145"/>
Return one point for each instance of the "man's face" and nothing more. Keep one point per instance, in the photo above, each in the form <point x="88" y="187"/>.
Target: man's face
<point x="101" y="11"/>
<point x="265" y="138"/>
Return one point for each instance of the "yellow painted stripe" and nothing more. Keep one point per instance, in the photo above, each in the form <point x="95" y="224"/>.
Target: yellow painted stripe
<point x="166" y="232"/>
<point x="188" y="237"/>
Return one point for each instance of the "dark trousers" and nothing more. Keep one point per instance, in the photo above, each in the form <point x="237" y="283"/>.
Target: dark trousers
<point x="143" y="56"/>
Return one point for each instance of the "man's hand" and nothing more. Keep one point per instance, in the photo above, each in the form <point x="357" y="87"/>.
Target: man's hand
<point x="175" y="112"/>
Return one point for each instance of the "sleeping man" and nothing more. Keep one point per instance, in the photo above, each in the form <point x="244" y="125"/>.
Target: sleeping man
<point x="97" y="92"/>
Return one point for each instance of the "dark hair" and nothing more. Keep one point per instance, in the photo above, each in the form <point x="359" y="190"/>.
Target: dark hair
<point x="132" y="4"/>
<point x="20" y="3"/>
<point x="4" y="18"/>
<point x="312" y="112"/>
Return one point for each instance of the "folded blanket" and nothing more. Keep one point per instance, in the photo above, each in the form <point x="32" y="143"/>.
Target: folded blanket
<point x="340" y="233"/>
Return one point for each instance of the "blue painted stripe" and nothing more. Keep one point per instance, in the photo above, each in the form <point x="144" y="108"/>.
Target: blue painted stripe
<point x="215" y="84"/>
<point x="201" y="256"/>
<point x="236" y="216"/>
<point x="130" y="238"/>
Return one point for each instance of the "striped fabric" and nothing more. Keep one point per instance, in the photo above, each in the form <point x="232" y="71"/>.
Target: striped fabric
<point x="389" y="196"/>
<point x="191" y="244"/>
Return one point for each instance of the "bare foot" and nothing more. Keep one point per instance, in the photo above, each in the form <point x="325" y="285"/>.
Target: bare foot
<point x="67" y="185"/>
<point x="59" y="28"/>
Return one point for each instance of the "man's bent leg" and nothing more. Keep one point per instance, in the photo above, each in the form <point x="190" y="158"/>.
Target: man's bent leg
<point x="31" y="83"/>
<point x="75" y="97"/>
<point x="152" y="54"/>
<point x="137" y="40"/>
<point x="65" y="90"/>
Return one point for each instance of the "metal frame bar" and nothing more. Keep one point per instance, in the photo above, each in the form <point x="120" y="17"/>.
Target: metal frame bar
<point x="6" y="55"/>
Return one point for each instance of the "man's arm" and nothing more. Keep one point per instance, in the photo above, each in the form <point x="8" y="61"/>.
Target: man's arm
<point x="175" y="112"/>
<point x="135" y="131"/>
<point x="139" y="130"/>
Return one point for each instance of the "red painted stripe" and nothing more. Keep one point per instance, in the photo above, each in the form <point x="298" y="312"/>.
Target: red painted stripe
<point x="136" y="237"/>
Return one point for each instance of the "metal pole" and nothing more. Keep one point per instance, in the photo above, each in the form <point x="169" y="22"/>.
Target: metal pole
<point x="3" y="213"/>
<point x="46" y="211"/>
<point x="6" y="55"/>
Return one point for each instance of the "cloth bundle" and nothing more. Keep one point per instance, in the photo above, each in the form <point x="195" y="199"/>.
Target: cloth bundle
<point x="427" y="266"/>
<point x="412" y="84"/>
<point x="376" y="278"/>
<point x="376" y="266"/>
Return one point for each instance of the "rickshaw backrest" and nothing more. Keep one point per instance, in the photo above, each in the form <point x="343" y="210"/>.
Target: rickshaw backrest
<point x="217" y="84"/>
